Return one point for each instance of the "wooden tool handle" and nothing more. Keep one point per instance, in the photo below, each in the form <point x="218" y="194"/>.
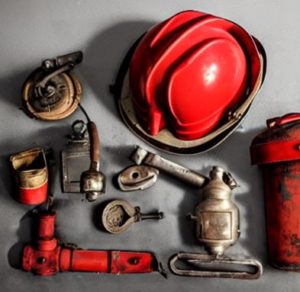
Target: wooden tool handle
<point x="94" y="143"/>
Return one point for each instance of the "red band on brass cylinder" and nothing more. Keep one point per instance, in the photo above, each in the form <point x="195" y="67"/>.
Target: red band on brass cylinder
<point x="33" y="196"/>
<point x="31" y="175"/>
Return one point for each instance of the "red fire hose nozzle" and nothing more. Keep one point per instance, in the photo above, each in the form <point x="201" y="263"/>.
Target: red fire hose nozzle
<point x="46" y="257"/>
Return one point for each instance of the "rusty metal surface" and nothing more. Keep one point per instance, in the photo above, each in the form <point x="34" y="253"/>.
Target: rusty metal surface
<point x="118" y="215"/>
<point x="93" y="180"/>
<point x="29" y="167"/>
<point x="144" y="174"/>
<point x="51" y="92"/>
<point x="80" y="162"/>
<point x="137" y="177"/>
<point x="216" y="216"/>
<point x="276" y="151"/>
<point x="75" y="158"/>
<point x="142" y="156"/>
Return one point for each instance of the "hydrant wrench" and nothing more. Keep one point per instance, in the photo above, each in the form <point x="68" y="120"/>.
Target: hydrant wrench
<point x="46" y="257"/>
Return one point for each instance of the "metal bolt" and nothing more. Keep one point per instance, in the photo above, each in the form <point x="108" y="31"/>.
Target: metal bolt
<point x="134" y="261"/>
<point x="41" y="260"/>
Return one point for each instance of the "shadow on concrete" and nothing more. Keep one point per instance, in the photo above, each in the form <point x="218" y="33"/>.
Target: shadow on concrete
<point x="105" y="55"/>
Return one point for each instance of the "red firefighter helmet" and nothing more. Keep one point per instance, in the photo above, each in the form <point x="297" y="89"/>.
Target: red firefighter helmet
<point x="191" y="79"/>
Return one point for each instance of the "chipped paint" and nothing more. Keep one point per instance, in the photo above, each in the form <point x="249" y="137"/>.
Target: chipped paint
<point x="288" y="253"/>
<point x="295" y="242"/>
<point x="286" y="195"/>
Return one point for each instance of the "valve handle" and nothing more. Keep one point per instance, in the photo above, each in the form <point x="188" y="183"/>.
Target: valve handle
<point x="57" y="66"/>
<point x="74" y="58"/>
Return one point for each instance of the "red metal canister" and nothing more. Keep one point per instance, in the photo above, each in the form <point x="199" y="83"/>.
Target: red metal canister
<point x="277" y="151"/>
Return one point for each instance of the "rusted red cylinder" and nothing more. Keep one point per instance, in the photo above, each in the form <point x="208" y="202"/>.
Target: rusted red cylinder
<point x="277" y="151"/>
<point x="103" y="261"/>
<point x="84" y="261"/>
<point x="46" y="257"/>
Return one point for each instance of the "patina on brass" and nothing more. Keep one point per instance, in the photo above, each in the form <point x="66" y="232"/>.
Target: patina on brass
<point x="118" y="215"/>
<point x="30" y="171"/>
<point x="30" y="167"/>
<point x="137" y="177"/>
<point x="216" y="216"/>
<point x="93" y="180"/>
<point x="51" y="92"/>
<point x="143" y="157"/>
<point x="75" y="158"/>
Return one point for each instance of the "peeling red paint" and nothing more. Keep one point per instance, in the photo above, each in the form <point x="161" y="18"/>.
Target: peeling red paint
<point x="277" y="151"/>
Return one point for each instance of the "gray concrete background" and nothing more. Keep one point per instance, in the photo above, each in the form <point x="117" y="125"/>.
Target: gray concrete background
<point x="33" y="30"/>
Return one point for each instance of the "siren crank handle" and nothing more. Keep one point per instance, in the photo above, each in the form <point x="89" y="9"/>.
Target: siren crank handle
<point x="94" y="145"/>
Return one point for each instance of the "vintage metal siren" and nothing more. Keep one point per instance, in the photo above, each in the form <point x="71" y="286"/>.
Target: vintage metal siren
<point x="191" y="80"/>
<point x="52" y="92"/>
<point x="277" y="151"/>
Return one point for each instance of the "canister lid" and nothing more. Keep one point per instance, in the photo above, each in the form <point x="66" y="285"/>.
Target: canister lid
<point x="279" y="142"/>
